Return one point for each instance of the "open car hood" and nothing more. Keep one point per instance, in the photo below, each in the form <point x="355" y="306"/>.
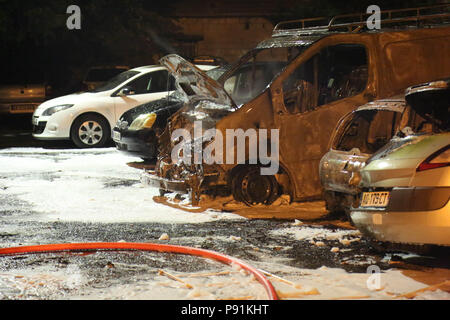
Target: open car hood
<point x="431" y="101"/>
<point x="196" y="85"/>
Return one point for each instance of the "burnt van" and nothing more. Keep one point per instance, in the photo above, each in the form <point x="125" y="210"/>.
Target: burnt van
<point x="282" y="100"/>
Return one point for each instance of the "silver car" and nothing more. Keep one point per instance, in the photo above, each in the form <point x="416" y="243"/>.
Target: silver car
<point x="358" y="135"/>
<point x="406" y="185"/>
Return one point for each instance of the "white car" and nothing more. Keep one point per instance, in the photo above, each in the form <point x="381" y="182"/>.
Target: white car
<point x="87" y="118"/>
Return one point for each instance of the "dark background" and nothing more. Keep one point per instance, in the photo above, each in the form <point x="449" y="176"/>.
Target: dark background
<point x="37" y="47"/>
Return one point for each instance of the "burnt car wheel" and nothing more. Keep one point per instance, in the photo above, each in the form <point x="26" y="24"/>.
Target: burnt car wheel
<point x="338" y="205"/>
<point x="252" y="188"/>
<point x="90" y="131"/>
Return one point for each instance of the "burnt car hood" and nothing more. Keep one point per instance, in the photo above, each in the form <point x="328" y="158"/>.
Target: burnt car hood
<point x="196" y="85"/>
<point x="431" y="101"/>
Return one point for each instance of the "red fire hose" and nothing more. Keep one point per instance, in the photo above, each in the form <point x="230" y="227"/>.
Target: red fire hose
<point x="50" y="248"/>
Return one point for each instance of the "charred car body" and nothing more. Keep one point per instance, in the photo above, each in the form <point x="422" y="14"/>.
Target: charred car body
<point x="137" y="131"/>
<point x="406" y="184"/>
<point x="296" y="86"/>
<point x="357" y="136"/>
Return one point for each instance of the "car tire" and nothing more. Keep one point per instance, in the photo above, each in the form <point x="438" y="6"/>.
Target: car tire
<point x="90" y="131"/>
<point x="252" y="188"/>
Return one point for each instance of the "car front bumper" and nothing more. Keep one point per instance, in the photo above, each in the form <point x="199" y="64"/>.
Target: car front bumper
<point x="54" y="127"/>
<point x="153" y="180"/>
<point x="430" y="224"/>
<point x="140" y="143"/>
<point x="206" y="178"/>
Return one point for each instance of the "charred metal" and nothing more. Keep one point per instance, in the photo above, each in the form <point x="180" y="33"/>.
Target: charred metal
<point x="301" y="81"/>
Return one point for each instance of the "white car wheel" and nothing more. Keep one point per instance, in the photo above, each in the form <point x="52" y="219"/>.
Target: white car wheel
<point x="90" y="131"/>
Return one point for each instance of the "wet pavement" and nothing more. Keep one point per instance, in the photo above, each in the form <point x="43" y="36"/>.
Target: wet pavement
<point x="52" y="193"/>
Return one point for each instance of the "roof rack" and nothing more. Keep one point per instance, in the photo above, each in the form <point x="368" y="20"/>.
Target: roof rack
<point x="398" y="18"/>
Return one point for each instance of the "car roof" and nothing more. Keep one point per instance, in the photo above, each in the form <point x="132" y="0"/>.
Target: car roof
<point x="396" y="103"/>
<point x="159" y="67"/>
<point x="148" y="68"/>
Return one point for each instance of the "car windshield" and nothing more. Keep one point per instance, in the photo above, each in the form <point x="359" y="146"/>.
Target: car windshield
<point x="256" y="70"/>
<point x="103" y="74"/>
<point x="216" y="73"/>
<point x="116" y="81"/>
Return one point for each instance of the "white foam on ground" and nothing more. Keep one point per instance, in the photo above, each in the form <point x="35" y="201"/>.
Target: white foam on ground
<point x="78" y="192"/>
<point x="309" y="233"/>
<point x="69" y="185"/>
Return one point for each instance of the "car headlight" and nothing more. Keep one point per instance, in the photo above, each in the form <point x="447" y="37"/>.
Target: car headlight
<point x="144" y="121"/>
<point x="52" y="110"/>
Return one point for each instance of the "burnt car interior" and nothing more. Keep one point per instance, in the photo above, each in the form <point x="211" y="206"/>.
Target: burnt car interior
<point x="334" y="73"/>
<point x="367" y="131"/>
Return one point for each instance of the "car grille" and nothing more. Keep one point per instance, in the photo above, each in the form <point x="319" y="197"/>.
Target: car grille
<point x="40" y="127"/>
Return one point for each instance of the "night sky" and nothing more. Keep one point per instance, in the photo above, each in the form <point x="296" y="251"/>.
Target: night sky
<point x="38" y="47"/>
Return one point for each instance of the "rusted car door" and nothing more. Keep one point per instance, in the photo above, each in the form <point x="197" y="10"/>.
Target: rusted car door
<point x="315" y="91"/>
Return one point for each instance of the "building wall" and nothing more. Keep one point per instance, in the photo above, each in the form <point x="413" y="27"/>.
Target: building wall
<point x="228" y="38"/>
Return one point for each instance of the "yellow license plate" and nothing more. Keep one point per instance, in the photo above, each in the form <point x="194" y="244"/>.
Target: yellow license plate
<point x="375" y="199"/>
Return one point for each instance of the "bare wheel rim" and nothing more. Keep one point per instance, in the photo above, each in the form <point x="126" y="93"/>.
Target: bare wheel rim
<point x="256" y="188"/>
<point x="90" y="132"/>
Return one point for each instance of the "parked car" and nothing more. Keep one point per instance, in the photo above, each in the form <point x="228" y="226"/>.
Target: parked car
<point x="23" y="99"/>
<point x="296" y="85"/>
<point x="357" y="136"/>
<point x="137" y="131"/>
<point x="406" y="184"/>
<point x="98" y="75"/>
<point x="87" y="117"/>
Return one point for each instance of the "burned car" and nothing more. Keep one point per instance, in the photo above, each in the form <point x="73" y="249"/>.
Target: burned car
<point x="263" y="127"/>
<point x="357" y="136"/>
<point x="136" y="132"/>
<point x="406" y="184"/>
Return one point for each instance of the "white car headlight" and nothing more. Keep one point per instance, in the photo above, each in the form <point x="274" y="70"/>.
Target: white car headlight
<point x="144" y="121"/>
<point x="52" y="110"/>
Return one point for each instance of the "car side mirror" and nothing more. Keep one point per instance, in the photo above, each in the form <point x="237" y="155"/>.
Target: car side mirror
<point x="125" y="91"/>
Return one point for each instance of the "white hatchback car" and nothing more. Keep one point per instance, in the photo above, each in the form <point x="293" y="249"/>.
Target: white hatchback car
<point x="88" y="117"/>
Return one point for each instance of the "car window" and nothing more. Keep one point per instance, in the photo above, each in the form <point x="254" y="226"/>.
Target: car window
<point x="413" y="122"/>
<point x="152" y="82"/>
<point x="336" y="72"/>
<point x="116" y="81"/>
<point x="433" y="106"/>
<point x="369" y="130"/>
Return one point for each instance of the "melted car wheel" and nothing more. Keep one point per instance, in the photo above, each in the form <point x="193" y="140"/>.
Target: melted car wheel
<point x="90" y="131"/>
<point x="252" y="188"/>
